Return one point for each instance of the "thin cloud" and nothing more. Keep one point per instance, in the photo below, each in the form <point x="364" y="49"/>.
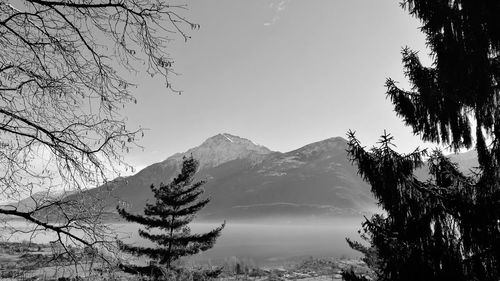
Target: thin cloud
<point x="278" y="8"/>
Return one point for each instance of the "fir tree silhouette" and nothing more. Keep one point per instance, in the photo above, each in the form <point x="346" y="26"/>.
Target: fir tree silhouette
<point x="174" y="208"/>
<point x="446" y="227"/>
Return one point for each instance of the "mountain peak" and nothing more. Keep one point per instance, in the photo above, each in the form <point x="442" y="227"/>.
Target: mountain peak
<point x="227" y="136"/>
<point x="221" y="148"/>
<point x="330" y="143"/>
<point x="335" y="139"/>
<point x="223" y="137"/>
<point x="326" y="147"/>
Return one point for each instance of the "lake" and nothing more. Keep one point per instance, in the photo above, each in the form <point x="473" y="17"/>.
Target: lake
<point x="263" y="243"/>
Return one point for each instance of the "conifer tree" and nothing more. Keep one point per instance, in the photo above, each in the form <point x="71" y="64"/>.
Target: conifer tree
<point x="174" y="208"/>
<point x="446" y="227"/>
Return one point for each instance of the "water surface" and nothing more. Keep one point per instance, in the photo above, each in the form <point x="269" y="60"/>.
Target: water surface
<point x="272" y="241"/>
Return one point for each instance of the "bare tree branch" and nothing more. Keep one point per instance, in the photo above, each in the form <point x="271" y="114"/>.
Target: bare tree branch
<point x="61" y="92"/>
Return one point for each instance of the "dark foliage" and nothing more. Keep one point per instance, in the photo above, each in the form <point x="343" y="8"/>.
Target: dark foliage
<point x="153" y="272"/>
<point x="446" y="227"/>
<point x="370" y="253"/>
<point x="464" y="39"/>
<point x="175" y="207"/>
<point x="419" y="238"/>
<point x="350" y="275"/>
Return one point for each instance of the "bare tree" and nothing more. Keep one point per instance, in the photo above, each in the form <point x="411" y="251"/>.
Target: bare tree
<point x="62" y="67"/>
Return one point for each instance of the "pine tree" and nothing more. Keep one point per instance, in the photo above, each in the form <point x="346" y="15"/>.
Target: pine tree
<point x="174" y="208"/>
<point x="418" y="239"/>
<point x="446" y="227"/>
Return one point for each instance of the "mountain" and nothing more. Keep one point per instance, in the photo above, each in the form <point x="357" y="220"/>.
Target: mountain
<point x="220" y="149"/>
<point x="315" y="180"/>
<point x="466" y="161"/>
<point x="34" y="201"/>
<point x="248" y="181"/>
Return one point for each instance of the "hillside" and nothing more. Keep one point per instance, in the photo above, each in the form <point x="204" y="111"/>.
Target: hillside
<point x="249" y="181"/>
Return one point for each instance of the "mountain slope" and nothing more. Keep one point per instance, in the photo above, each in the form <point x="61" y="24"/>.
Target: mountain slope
<point x="314" y="180"/>
<point x="249" y="181"/>
<point x="246" y="180"/>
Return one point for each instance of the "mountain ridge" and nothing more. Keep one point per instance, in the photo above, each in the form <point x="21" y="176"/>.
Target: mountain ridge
<point x="247" y="180"/>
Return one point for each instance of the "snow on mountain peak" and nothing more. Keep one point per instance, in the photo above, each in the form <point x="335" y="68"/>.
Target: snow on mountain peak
<point x="219" y="149"/>
<point x="227" y="138"/>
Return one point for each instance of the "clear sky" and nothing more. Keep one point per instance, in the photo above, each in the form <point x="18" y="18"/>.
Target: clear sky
<point x="283" y="73"/>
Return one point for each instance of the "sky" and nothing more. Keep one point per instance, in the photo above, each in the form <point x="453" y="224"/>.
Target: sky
<point x="282" y="73"/>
